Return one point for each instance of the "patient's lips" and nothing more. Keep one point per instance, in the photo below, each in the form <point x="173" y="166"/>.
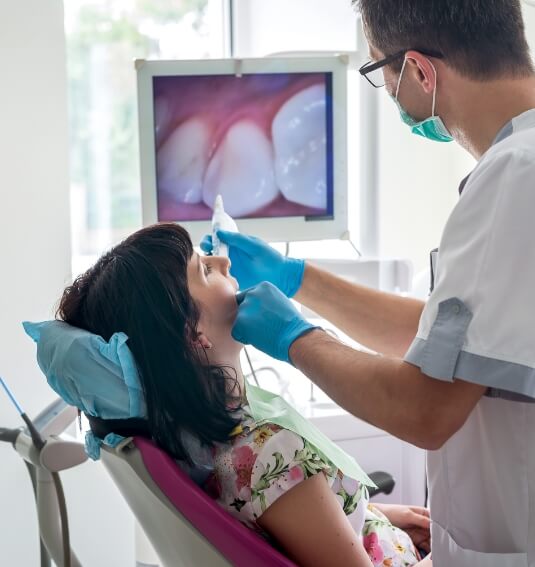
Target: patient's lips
<point x="300" y="147"/>
<point x="182" y="161"/>
<point x="241" y="170"/>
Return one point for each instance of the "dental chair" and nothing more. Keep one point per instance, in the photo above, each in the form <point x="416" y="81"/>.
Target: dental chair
<point x="184" y="525"/>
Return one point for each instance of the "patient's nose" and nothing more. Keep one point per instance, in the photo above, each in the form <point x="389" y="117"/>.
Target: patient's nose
<point x="224" y="265"/>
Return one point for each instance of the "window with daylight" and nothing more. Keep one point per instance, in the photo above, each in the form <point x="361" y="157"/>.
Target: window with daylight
<point x="103" y="39"/>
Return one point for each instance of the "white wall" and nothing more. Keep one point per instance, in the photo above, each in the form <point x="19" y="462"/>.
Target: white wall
<point x="34" y="231"/>
<point x="418" y="185"/>
<point x="34" y="267"/>
<point x="529" y="15"/>
<point x="278" y="25"/>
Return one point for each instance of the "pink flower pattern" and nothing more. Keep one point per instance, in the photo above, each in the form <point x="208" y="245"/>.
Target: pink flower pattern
<point x="296" y="474"/>
<point x="243" y="459"/>
<point x="255" y="468"/>
<point x="372" y="546"/>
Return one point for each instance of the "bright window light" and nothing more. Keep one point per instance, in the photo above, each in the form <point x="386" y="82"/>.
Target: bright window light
<point x="103" y="39"/>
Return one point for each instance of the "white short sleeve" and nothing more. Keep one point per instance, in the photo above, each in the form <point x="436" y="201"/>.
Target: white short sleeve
<point x="479" y="322"/>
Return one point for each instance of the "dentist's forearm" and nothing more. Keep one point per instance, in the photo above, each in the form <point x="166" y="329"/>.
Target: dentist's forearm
<point x="387" y="392"/>
<point x="359" y="383"/>
<point x="383" y="322"/>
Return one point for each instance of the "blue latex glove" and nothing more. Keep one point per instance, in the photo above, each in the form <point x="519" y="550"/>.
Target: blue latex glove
<point x="253" y="261"/>
<point x="269" y="321"/>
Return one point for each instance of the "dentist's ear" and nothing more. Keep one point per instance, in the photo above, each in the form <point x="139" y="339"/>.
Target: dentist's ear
<point x="423" y="69"/>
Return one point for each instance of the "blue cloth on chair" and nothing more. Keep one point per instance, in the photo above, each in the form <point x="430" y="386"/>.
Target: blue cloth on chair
<point x="101" y="379"/>
<point x="98" y="377"/>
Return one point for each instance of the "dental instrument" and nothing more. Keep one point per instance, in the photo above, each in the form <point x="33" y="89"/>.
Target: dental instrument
<point x="221" y="220"/>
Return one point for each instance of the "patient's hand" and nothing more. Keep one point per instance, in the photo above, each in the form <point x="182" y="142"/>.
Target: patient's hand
<point x="414" y="520"/>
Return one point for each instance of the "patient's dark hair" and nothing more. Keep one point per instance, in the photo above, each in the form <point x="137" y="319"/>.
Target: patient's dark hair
<point x="481" y="39"/>
<point x="140" y="287"/>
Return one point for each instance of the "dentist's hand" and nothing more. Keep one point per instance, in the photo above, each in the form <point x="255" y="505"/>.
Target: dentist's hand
<point x="268" y="320"/>
<point x="253" y="261"/>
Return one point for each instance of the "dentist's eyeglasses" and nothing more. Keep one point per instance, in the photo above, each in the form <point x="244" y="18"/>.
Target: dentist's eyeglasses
<point x="372" y="71"/>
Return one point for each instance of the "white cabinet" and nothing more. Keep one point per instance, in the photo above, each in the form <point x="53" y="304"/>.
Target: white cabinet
<point x="376" y="450"/>
<point x="378" y="454"/>
<point x="405" y="463"/>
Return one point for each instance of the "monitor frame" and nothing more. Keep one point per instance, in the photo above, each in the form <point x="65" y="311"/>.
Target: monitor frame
<point x="276" y="229"/>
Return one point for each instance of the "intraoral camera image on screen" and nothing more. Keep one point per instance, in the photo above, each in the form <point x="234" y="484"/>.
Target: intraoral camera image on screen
<point x="263" y="139"/>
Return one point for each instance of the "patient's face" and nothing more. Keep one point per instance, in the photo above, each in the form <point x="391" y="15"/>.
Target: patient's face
<point x="214" y="290"/>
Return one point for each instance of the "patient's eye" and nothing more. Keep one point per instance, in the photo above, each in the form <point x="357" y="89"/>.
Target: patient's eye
<point x="207" y="269"/>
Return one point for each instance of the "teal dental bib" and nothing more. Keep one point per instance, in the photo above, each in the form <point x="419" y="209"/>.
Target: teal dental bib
<point x="267" y="407"/>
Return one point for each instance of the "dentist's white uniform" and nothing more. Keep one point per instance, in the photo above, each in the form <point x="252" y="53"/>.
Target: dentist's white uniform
<point x="479" y="326"/>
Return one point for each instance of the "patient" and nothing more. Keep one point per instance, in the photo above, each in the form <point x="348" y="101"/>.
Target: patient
<point x="177" y="309"/>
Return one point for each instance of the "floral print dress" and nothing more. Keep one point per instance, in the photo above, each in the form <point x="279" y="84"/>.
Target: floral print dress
<point x="263" y="461"/>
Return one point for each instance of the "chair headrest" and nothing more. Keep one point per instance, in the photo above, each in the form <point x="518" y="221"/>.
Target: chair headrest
<point x="101" y="379"/>
<point x="98" y="377"/>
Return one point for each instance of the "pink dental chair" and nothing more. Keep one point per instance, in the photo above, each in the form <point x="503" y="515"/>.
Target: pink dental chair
<point x="184" y="525"/>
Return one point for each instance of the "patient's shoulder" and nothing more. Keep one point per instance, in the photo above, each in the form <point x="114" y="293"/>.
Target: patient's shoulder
<point x="286" y="459"/>
<point x="261" y="463"/>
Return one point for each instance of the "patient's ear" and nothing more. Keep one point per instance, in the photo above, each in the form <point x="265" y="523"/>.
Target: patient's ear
<point x="201" y="340"/>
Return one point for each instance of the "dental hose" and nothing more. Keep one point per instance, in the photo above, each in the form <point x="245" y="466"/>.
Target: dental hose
<point x="10" y="436"/>
<point x="251" y="366"/>
<point x="45" y="558"/>
<point x="34" y="434"/>
<point x="65" y="536"/>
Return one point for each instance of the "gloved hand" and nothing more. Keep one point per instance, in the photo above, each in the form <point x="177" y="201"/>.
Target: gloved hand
<point x="268" y="320"/>
<point x="253" y="261"/>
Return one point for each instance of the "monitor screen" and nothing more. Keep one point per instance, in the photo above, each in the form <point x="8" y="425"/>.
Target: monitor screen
<point x="270" y="135"/>
<point x="264" y="141"/>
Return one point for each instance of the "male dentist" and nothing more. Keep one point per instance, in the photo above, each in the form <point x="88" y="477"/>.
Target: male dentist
<point x="456" y="375"/>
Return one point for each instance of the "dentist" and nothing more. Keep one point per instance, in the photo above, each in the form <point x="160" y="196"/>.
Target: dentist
<point x="455" y="375"/>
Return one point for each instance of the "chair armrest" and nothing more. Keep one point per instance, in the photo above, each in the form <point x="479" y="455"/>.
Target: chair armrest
<point x="385" y="483"/>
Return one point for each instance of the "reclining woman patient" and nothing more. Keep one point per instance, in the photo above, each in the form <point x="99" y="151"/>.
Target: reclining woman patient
<point x="177" y="308"/>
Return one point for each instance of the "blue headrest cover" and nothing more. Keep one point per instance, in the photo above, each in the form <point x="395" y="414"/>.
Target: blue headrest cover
<point x="100" y="378"/>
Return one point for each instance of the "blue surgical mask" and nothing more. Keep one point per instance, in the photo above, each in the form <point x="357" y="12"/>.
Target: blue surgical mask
<point x="432" y="128"/>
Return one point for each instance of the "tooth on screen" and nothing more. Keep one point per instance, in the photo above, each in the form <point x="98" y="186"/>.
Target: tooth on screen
<point x="241" y="171"/>
<point x="162" y="114"/>
<point x="300" y="145"/>
<point x="182" y="161"/>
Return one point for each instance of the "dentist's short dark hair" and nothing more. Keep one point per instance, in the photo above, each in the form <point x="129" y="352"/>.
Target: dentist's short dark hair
<point x="481" y="39"/>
